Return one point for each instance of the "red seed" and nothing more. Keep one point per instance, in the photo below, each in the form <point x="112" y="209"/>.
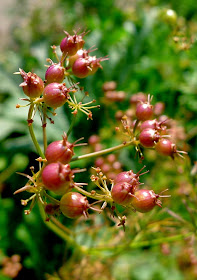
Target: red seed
<point x="144" y="111"/>
<point x="58" y="177"/>
<point x="145" y="200"/>
<point x="80" y="54"/>
<point x="60" y="151"/>
<point x="55" y="95"/>
<point x="81" y="68"/>
<point x="32" y="85"/>
<point x="165" y="147"/>
<point x="149" y="124"/>
<point x="71" y="44"/>
<point x="55" y="74"/>
<point x="73" y="205"/>
<point x="122" y="193"/>
<point x="148" y="137"/>
<point x="125" y="176"/>
<point x="130" y="177"/>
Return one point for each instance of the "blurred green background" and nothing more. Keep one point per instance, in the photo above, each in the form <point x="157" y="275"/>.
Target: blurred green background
<point x="144" y="55"/>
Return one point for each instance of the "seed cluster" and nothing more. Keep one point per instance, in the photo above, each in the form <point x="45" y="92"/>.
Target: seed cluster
<point x="142" y="127"/>
<point x="125" y="192"/>
<point x="74" y="61"/>
<point x="56" y="174"/>
<point x="154" y="133"/>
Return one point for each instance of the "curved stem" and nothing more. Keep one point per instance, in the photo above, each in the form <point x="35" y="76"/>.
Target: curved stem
<point x="61" y="226"/>
<point x="5" y="174"/>
<point x="58" y="230"/>
<point x="71" y="125"/>
<point x="106" y="151"/>
<point x="31" y="131"/>
<point x="159" y="240"/>
<point x="139" y="244"/>
<point x="52" y="199"/>
<point x="94" y="196"/>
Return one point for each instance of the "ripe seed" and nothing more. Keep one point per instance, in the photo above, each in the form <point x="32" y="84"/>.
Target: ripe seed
<point x="95" y="63"/>
<point x="55" y="95"/>
<point x="125" y="176"/>
<point x="73" y="205"/>
<point x="154" y="124"/>
<point x="80" y="54"/>
<point x="149" y="124"/>
<point x="71" y="44"/>
<point x="145" y="200"/>
<point x="81" y="67"/>
<point x="144" y="111"/>
<point x="32" y="85"/>
<point x="148" y="137"/>
<point x="54" y="74"/>
<point x="123" y="192"/>
<point x="60" y="151"/>
<point x="166" y="147"/>
<point x="129" y="177"/>
<point x="58" y="177"/>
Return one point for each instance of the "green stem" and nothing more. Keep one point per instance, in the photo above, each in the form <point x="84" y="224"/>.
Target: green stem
<point x="94" y="196"/>
<point x="159" y="240"/>
<point x="61" y="226"/>
<point x="106" y="151"/>
<point x="140" y="244"/>
<point x="58" y="230"/>
<point x="52" y="199"/>
<point x="5" y="174"/>
<point x="31" y="131"/>
<point x="72" y="124"/>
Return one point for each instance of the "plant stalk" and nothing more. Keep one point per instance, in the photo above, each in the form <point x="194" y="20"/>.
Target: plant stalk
<point x="31" y="131"/>
<point x="72" y="124"/>
<point x="106" y="151"/>
<point x="55" y="227"/>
